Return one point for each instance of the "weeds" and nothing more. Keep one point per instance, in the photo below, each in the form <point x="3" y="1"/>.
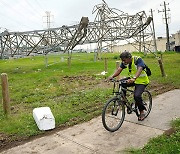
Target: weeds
<point x="74" y="94"/>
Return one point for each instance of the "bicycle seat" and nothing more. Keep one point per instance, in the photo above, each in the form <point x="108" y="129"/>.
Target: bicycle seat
<point x="124" y="81"/>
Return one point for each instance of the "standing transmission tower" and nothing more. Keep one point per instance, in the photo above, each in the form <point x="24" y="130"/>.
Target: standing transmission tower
<point x="48" y="19"/>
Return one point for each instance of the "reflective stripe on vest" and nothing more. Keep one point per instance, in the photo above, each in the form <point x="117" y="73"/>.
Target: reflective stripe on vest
<point x="143" y="78"/>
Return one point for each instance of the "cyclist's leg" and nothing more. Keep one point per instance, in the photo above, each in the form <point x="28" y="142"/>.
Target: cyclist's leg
<point x="139" y="89"/>
<point x="124" y="85"/>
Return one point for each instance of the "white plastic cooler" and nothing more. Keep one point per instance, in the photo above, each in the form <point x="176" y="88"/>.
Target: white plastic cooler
<point x="44" y="118"/>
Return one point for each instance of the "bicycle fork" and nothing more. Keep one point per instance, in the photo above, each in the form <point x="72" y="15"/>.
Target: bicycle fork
<point x="115" y="108"/>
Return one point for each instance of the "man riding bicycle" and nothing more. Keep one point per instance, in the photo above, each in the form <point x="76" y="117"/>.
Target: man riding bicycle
<point x="138" y="78"/>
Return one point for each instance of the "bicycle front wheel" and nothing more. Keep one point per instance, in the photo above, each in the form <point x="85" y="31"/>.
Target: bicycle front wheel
<point x="113" y="114"/>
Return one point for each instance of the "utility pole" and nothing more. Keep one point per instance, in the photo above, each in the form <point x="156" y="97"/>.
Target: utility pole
<point x="155" y="47"/>
<point x="167" y="27"/>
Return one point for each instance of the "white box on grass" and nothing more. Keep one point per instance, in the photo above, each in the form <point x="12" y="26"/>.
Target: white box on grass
<point x="44" y="118"/>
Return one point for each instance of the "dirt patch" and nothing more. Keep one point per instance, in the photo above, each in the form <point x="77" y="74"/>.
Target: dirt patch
<point x="170" y="131"/>
<point x="78" y="83"/>
<point x="9" y="141"/>
<point x="157" y="88"/>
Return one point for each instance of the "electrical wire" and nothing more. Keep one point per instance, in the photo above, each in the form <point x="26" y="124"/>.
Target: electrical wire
<point x="18" y="12"/>
<point x="40" y="5"/>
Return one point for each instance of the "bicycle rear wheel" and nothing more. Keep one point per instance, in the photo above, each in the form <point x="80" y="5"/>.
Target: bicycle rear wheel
<point x="147" y="101"/>
<point x="113" y="114"/>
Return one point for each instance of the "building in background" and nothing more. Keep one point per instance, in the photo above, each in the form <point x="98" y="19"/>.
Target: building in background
<point x="160" y="41"/>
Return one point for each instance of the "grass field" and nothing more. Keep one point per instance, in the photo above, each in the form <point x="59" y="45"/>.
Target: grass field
<point x="75" y="94"/>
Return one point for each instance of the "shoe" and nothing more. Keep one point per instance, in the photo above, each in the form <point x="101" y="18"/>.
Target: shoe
<point x="141" y="117"/>
<point x="129" y="111"/>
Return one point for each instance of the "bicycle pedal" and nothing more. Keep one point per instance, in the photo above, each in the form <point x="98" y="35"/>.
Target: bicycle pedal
<point x="129" y="111"/>
<point x="135" y="109"/>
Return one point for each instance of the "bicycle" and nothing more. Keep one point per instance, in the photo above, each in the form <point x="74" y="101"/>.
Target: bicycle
<point x="113" y="113"/>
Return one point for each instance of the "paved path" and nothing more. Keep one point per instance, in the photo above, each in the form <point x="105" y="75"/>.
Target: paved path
<point x="91" y="137"/>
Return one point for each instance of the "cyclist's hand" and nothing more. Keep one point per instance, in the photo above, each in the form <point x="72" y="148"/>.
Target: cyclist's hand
<point x="130" y="80"/>
<point x="110" y="78"/>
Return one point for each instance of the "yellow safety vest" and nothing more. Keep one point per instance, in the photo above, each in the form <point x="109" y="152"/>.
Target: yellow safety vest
<point x="143" y="78"/>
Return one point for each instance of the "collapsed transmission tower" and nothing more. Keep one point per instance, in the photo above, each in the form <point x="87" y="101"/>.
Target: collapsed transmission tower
<point x="113" y="25"/>
<point x="110" y="25"/>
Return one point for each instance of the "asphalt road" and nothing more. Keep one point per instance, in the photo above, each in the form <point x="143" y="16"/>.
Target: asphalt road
<point x="91" y="137"/>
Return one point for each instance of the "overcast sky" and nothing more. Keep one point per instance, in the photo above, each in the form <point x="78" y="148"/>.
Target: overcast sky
<point x="26" y="15"/>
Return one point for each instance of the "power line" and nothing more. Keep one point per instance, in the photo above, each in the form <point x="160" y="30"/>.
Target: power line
<point x="40" y="5"/>
<point x="33" y="10"/>
<point x="18" y="12"/>
<point x="12" y="20"/>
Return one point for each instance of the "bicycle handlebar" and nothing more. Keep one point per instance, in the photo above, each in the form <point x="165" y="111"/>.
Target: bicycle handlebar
<point x="121" y="80"/>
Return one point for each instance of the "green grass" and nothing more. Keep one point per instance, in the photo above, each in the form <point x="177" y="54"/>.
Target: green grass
<point x="65" y="90"/>
<point x="162" y="144"/>
<point x="74" y="93"/>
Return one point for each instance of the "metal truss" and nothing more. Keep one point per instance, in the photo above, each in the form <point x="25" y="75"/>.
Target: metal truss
<point x="110" y="25"/>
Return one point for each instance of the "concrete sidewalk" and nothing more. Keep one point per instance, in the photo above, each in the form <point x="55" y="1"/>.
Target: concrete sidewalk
<point x="91" y="137"/>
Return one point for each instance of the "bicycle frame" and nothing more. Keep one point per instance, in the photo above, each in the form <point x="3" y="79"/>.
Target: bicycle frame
<point x="121" y="96"/>
<point x="120" y="89"/>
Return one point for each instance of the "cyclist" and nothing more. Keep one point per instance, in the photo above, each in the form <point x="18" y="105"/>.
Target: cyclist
<point x="137" y="78"/>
